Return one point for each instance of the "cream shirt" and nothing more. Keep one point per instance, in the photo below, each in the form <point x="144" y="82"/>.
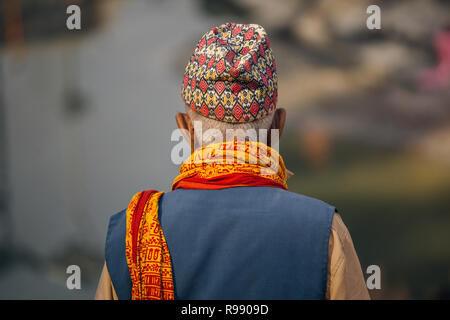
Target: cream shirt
<point x="345" y="280"/>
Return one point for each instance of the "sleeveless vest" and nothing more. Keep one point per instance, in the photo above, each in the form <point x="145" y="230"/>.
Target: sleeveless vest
<point x="236" y="243"/>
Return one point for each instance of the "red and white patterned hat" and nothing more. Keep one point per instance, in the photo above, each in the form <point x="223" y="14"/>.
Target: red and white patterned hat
<point x="231" y="76"/>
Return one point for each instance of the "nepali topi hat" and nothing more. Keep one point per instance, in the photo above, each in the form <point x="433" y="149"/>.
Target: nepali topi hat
<point x="231" y="75"/>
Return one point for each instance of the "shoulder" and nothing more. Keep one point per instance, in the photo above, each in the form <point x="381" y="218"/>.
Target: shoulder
<point x="299" y="202"/>
<point x="117" y="217"/>
<point x="303" y="198"/>
<point x="116" y="229"/>
<point x="116" y="226"/>
<point x="115" y="236"/>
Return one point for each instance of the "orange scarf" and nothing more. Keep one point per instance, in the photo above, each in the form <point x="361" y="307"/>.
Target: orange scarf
<point x="215" y="166"/>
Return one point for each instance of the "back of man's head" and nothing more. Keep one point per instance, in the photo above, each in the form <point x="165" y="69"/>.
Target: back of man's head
<point x="230" y="83"/>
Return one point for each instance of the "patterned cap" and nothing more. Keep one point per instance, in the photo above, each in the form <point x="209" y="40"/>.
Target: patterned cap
<point x="231" y="76"/>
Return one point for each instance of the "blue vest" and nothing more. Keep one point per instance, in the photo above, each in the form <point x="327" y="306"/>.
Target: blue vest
<point x="236" y="243"/>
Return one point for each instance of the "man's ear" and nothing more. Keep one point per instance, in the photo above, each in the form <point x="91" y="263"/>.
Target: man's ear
<point x="185" y="125"/>
<point x="279" y="120"/>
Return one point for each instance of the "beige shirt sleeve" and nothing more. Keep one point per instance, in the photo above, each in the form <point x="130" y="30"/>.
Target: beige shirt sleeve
<point x="105" y="289"/>
<point x="345" y="277"/>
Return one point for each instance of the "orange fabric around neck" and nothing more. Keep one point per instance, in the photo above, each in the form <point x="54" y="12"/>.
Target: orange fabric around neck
<point x="232" y="164"/>
<point x="216" y="166"/>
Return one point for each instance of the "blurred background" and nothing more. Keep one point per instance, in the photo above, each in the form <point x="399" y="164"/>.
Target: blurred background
<point x="86" y="117"/>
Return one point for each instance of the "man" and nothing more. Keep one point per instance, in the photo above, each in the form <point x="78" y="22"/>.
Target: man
<point x="229" y="229"/>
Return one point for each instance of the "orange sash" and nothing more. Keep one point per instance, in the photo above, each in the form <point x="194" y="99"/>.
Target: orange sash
<point x="232" y="164"/>
<point x="215" y="166"/>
